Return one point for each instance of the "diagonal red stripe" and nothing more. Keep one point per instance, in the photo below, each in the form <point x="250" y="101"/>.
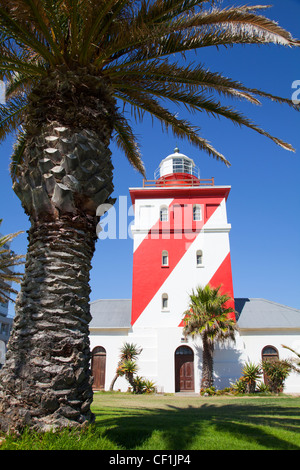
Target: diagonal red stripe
<point x="223" y="278"/>
<point x="148" y="274"/>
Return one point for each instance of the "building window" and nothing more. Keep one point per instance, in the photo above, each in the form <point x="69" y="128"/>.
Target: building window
<point x="269" y="353"/>
<point x="164" y="302"/>
<point x="163" y="214"/>
<point x="165" y="258"/>
<point x="199" y="258"/>
<point x="197" y="215"/>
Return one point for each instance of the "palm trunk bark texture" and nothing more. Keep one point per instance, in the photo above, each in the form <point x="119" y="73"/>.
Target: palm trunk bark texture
<point x="207" y="367"/>
<point x="46" y="381"/>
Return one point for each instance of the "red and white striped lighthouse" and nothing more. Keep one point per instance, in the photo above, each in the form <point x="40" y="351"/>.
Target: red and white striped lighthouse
<point x="181" y="240"/>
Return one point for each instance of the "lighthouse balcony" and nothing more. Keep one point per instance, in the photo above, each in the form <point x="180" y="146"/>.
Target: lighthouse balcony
<point x="178" y="180"/>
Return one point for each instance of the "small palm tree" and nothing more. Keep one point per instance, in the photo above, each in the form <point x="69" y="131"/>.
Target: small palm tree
<point x="129" y="368"/>
<point x="251" y="373"/>
<point x="126" y="364"/>
<point x="8" y="261"/>
<point x="208" y="317"/>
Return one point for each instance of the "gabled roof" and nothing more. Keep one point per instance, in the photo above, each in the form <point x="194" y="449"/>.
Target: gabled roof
<point x="111" y="313"/>
<point x="263" y="314"/>
<point x="252" y="314"/>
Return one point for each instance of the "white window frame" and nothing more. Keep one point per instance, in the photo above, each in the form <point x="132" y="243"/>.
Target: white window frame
<point x="165" y="258"/>
<point x="165" y="299"/>
<point x="197" y="212"/>
<point x="199" y="255"/>
<point x="164" y="214"/>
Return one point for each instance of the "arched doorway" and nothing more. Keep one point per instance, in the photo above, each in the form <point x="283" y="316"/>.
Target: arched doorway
<point x="269" y="353"/>
<point x="98" y="367"/>
<point x="184" y="369"/>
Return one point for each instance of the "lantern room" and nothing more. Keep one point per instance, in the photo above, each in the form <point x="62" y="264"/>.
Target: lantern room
<point x="177" y="168"/>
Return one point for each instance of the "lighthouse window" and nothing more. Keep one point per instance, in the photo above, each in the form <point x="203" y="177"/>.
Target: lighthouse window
<point x="199" y="257"/>
<point x="165" y="258"/>
<point x="164" y="302"/>
<point x="163" y="214"/>
<point x="180" y="165"/>
<point x="197" y="212"/>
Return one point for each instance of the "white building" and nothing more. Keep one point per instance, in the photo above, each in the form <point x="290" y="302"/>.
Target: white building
<point x="181" y="240"/>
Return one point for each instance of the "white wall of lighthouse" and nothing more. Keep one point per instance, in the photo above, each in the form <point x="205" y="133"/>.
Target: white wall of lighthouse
<point x="180" y="240"/>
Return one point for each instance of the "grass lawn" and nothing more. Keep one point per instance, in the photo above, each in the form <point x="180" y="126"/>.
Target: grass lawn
<point x="170" y="422"/>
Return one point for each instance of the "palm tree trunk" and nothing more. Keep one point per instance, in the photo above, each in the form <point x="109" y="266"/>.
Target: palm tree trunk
<point x="113" y="382"/>
<point x="130" y="379"/>
<point x="207" y="365"/>
<point x="46" y="380"/>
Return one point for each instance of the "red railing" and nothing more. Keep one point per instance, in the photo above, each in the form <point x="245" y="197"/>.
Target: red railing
<point x="166" y="182"/>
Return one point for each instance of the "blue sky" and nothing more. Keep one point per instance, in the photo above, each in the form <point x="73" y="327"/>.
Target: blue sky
<point x="263" y="206"/>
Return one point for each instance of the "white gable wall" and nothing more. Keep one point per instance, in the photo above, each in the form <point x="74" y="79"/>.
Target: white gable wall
<point x="255" y="340"/>
<point x="157" y="361"/>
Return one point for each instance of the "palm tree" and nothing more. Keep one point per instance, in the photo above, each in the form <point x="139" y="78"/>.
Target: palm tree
<point x="129" y="353"/>
<point x="71" y="68"/>
<point x="208" y="316"/>
<point x="8" y="261"/>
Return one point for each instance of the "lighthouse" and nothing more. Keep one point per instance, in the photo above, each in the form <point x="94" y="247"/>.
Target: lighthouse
<point x="180" y="241"/>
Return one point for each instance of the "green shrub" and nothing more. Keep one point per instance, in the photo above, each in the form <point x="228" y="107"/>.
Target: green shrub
<point x="149" y="386"/>
<point x="143" y="386"/>
<point x="239" y="386"/>
<point x="208" y="391"/>
<point x="276" y="373"/>
<point x="263" y="388"/>
<point x="251" y="373"/>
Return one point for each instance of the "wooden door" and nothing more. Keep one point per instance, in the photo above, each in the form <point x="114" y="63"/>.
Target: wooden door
<point x="184" y="369"/>
<point x="98" y="367"/>
<point x="269" y="353"/>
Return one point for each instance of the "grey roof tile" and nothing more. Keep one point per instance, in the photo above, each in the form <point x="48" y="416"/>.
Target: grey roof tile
<point x="111" y="313"/>
<point x="265" y="314"/>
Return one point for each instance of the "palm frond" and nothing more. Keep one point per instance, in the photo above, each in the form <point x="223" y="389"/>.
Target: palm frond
<point x="17" y="155"/>
<point x="238" y="21"/>
<point x="192" y="31"/>
<point x="20" y="31"/>
<point x="199" y="102"/>
<point x="142" y="102"/>
<point x="190" y="78"/>
<point x="127" y="141"/>
<point x="128" y="43"/>
<point x="102" y="19"/>
<point x="11" y="115"/>
<point x="8" y="260"/>
<point x="208" y="314"/>
<point x="193" y="77"/>
<point x="7" y="239"/>
<point x="42" y="22"/>
<point x="18" y="85"/>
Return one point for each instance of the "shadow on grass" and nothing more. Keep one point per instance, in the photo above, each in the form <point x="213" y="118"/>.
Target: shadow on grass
<point x="206" y="427"/>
